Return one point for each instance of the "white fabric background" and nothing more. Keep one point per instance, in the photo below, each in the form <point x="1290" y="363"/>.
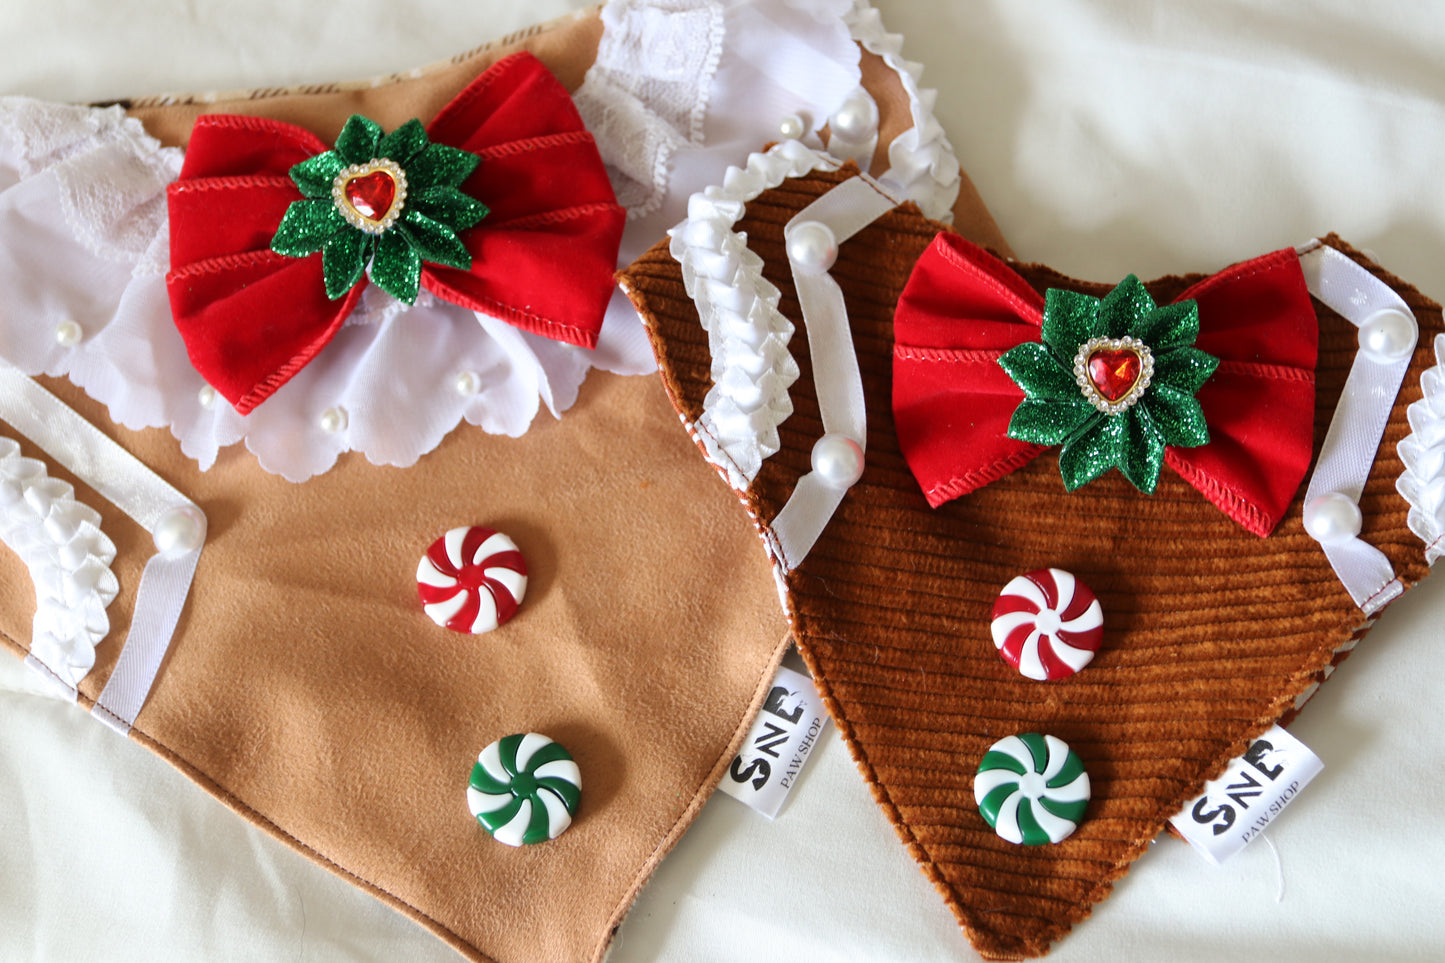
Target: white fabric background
<point x="1108" y="136"/>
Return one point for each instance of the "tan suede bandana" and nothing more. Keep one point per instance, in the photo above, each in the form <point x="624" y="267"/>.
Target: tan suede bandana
<point x="306" y="689"/>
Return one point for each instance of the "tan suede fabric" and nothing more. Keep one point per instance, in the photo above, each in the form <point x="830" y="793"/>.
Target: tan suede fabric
<point x="1210" y="632"/>
<point x="306" y="689"/>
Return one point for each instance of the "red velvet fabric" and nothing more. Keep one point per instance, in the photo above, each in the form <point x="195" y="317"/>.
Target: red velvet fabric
<point x="962" y="308"/>
<point x="542" y="259"/>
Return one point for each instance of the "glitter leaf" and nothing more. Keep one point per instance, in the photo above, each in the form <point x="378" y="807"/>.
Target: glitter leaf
<point x="436" y="242"/>
<point x="1070" y="319"/>
<point x="1170" y="326"/>
<point x="449" y="206"/>
<point x="358" y="140"/>
<point x="1059" y="407"/>
<point x="404" y="143"/>
<point x="1141" y="451"/>
<point x="1044" y="422"/>
<point x="442" y="166"/>
<point x="306" y="226"/>
<point x="1125" y="309"/>
<point x="396" y="267"/>
<point x="1036" y="370"/>
<point x="1094" y="451"/>
<point x="1178" y="416"/>
<point x="315" y="175"/>
<point x="343" y="260"/>
<point x="1184" y="368"/>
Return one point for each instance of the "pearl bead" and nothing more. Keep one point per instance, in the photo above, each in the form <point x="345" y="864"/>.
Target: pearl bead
<point x="334" y="420"/>
<point x="792" y="127"/>
<point x="207" y="396"/>
<point x="1332" y="519"/>
<point x="68" y="334"/>
<point x="857" y="119"/>
<point x="838" y="459"/>
<point x="467" y="383"/>
<point x="1388" y="336"/>
<point x="812" y="247"/>
<point x="180" y="530"/>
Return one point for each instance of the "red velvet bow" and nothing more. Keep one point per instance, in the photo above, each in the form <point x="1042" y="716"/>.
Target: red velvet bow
<point x="542" y="259"/>
<point x="962" y="308"/>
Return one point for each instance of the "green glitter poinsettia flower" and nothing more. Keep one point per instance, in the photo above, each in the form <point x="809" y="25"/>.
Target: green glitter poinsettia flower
<point x="1113" y="382"/>
<point x="383" y="202"/>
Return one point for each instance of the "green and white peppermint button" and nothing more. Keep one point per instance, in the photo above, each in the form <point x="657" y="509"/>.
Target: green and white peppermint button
<point x="1031" y="789"/>
<point x="524" y="789"/>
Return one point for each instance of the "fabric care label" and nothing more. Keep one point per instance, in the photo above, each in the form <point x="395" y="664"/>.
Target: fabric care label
<point x="778" y="745"/>
<point x="1238" y="806"/>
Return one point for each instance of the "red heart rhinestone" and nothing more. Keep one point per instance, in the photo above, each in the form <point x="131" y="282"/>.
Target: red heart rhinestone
<point x="1114" y="372"/>
<point x="371" y="195"/>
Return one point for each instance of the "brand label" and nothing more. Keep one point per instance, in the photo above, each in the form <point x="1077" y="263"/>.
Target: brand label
<point x="778" y="745"/>
<point x="1238" y="806"/>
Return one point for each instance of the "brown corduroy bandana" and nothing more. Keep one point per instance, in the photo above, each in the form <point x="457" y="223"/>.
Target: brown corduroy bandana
<point x="1212" y="633"/>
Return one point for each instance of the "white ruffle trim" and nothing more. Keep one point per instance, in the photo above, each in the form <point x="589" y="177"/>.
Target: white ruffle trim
<point x="1422" y="484"/>
<point x="60" y="541"/>
<point x="921" y="163"/>
<point x="748" y="336"/>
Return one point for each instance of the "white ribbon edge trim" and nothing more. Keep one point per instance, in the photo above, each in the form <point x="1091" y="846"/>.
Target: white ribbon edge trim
<point x="922" y="164"/>
<point x="845" y="210"/>
<point x="43" y="523"/>
<point x="747" y="335"/>
<point x="149" y="500"/>
<point x="1359" y="420"/>
<point x="1422" y="483"/>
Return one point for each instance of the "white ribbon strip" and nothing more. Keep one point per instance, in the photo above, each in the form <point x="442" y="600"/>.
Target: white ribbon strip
<point x="164" y="586"/>
<point x="1359" y="420"/>
<point x="176" y="523"/>
<point x="845" y="210"/>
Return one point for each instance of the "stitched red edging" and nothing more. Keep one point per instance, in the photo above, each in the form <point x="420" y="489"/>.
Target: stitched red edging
<point x="238" y="181"/>
<point x="528" y="144"/>
<point x="296" y="135"/>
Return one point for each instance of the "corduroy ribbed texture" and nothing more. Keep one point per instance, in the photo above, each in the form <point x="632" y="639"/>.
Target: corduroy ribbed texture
<point x="1211" y="633"/>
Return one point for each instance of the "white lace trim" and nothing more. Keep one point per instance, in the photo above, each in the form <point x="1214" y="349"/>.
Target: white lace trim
<point x="60" y="541"/>
<point x="1422" y="483"/>
<point x="110" y="175"/>
<point x="922" y="164"/>
<point x="748" y="336"/>
<point x="646" y="95"/>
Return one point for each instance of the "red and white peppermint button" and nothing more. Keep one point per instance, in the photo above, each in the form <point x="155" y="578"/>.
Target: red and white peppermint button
<point x="471" y="580"/>
<point x="1047" y="624"/>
